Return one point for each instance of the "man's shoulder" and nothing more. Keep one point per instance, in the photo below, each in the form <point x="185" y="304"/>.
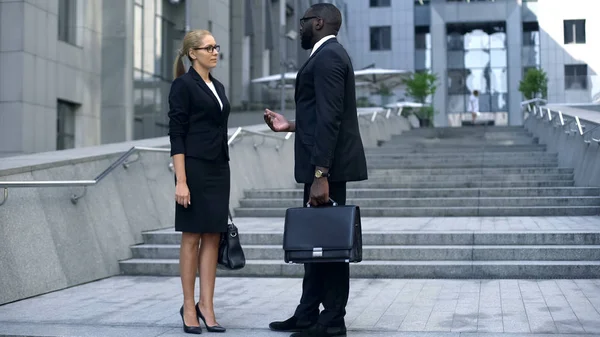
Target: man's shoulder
<point x="333" y="50"/>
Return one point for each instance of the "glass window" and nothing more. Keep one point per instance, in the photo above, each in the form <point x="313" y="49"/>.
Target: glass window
<point x="456" y="59"/>
<point x="67" y="21"/>
<point x="498" y="58"/>
<point x="477" y="79"/>
<point x="574" y="31"/>
<point x="379" y="3"/>
<point x="457" y="81"/>
<point x="498" y="80"/>
<point x="381" y="38"/>
<point x="576" y="76"/>
<point x="477" y="60"/>
<point x="456" y="103"/>
<point x="422" y="37"/>
<point x="138" y="29"/>
<point x="65" y="125"/>
<point x="531" y="34"/>
<point x="455" y="41"/>
<point x="149" y="30"/>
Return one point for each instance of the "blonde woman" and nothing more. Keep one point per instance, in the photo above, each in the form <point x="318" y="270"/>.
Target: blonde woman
<point x="198" y="114"/>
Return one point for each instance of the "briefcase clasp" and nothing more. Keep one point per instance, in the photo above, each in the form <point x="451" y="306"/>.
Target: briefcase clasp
<point x="317" y="252"/>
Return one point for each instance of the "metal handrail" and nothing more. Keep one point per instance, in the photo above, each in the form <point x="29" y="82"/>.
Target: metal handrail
<point x="240" y="131"/>
<point x="122" y="160"/>
<point x="588" y="139"/>
<point x="79" y="183"/>
<point x="563" y="121"/>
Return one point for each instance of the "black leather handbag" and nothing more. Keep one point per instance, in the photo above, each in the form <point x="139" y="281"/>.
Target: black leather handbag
<point x="231" y="254"/>
<point x="323" y="234"/>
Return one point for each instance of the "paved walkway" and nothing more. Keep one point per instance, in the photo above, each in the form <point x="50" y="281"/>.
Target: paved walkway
<point x="149" y="306"/>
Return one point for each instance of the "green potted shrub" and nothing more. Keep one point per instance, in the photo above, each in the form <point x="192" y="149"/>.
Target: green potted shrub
<point x="534" y="84"/>
<point x="419" y="86"/>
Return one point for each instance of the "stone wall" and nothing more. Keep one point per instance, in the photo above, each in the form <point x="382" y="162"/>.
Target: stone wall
<point x="48" y="243"/>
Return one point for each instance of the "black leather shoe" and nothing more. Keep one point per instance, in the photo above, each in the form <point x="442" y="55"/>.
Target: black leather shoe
<point x="189" y="329"/>
<point x="214" y="328"/>
<point x="319" y="330"/>
<point x="291" y="324"/>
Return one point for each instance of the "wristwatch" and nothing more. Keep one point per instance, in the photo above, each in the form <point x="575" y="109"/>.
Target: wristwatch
<point x="320" y="174"/>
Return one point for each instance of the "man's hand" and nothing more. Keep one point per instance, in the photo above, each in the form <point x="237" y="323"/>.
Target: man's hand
<point x="319" y="192"/>
<point x="276" y="121"/>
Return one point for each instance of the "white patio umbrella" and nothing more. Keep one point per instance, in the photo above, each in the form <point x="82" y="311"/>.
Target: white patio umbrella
<point x="390" y="77"/>
<point x="288" y="77"/>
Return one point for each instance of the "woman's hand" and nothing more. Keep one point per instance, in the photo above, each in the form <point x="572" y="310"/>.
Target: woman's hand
<point x="182" y="194"/>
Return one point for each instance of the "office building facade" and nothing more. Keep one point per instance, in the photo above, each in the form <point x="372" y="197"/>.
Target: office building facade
<point x="484" y="45"/>
<point x="77" y="73"/>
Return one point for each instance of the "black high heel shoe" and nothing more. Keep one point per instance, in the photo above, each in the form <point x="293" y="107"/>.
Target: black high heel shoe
<point x="190" y="329"/>
<point x="214" y="328"/>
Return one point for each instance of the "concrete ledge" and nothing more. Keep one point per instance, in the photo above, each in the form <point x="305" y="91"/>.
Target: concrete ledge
<point x="571" y="148"/>
<point x="48" y="243"/>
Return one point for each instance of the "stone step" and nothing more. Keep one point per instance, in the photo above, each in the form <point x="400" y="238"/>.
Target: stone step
<point x="471" y="149"/>
<point x="469" y="177"/>
<point x="466" y="134"/>
<point x="407" y="164"/>
<point x="464" y="155"/>
<point x="467" y="146"/>
<point x="485" y="171"/>
<point x="508" y="161"/>
<point x="298" y="193"/>
<point x="459" y="184"/>
<point x="508" y="139"/>
<point x="498" y="137"/>
<point x="444" y="211"/>
<point x="444" y="131"/>
<point x="463" y="202"/>
<point x="392" y="269"/>
<point x="412" y="252"/>
<point x="419" y="238"/>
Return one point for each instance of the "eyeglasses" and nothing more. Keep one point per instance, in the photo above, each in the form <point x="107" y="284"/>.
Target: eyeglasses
<point x="210" y="49"/>
<point x="302" y="20"/>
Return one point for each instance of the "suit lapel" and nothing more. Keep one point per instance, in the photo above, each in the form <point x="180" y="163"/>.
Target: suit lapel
<point x="310" y="58"/>
<point x="205" y="87"/>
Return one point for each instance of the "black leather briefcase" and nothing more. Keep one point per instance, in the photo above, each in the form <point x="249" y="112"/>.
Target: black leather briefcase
<point x="322" y="234"/>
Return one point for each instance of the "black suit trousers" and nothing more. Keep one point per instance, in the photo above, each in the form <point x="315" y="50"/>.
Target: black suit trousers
<point x="327" y="282"/>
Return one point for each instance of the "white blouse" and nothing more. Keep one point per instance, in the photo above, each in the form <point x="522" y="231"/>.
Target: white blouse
<point x="211" y="85"/>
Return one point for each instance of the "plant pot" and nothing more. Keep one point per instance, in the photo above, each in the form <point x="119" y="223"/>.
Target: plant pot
<point x="425" y="123"/>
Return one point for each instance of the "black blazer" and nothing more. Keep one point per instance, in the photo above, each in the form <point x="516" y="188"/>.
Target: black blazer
<point x="327" y="132"/>
<point x="197" y="125"/>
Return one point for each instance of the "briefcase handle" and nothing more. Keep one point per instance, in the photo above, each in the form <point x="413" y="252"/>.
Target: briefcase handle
<point x="333" y="203"/>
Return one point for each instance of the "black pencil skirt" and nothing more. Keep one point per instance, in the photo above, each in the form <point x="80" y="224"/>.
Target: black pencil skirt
<point x="209" y="184"/>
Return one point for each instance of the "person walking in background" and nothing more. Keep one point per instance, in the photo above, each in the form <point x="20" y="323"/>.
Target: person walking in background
<point x="198" y="114"/>
<point x="328" y="152"/>
<point x="474" y="105"/>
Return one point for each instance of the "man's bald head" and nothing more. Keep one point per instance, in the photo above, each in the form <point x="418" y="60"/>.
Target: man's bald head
<point x="330" y="14"/>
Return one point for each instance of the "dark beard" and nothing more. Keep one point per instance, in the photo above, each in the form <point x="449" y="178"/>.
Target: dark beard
<point x="306" y="40"/>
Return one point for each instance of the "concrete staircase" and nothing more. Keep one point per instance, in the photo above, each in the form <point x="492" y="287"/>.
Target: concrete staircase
<point x="471" y="171"/>
<point x="405" y="255"/>
<point x="431" y="172"/>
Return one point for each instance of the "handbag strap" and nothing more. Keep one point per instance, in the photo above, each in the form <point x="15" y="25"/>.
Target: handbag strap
<point x="230" y="217"/>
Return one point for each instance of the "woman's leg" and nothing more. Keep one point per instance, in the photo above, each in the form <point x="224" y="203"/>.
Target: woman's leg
<point x="207" y="264"/>
<point x="188" y="267"/>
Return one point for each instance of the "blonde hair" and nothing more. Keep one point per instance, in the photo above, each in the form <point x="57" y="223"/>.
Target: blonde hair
<point x="192" y="39"/>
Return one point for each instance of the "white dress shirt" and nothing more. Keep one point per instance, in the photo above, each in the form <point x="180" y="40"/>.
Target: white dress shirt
<point x="320" y="42"/>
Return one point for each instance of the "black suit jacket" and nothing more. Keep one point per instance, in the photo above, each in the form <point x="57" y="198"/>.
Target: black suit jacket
<point x="197" y="125"/>
<point x="327" y="131"/>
